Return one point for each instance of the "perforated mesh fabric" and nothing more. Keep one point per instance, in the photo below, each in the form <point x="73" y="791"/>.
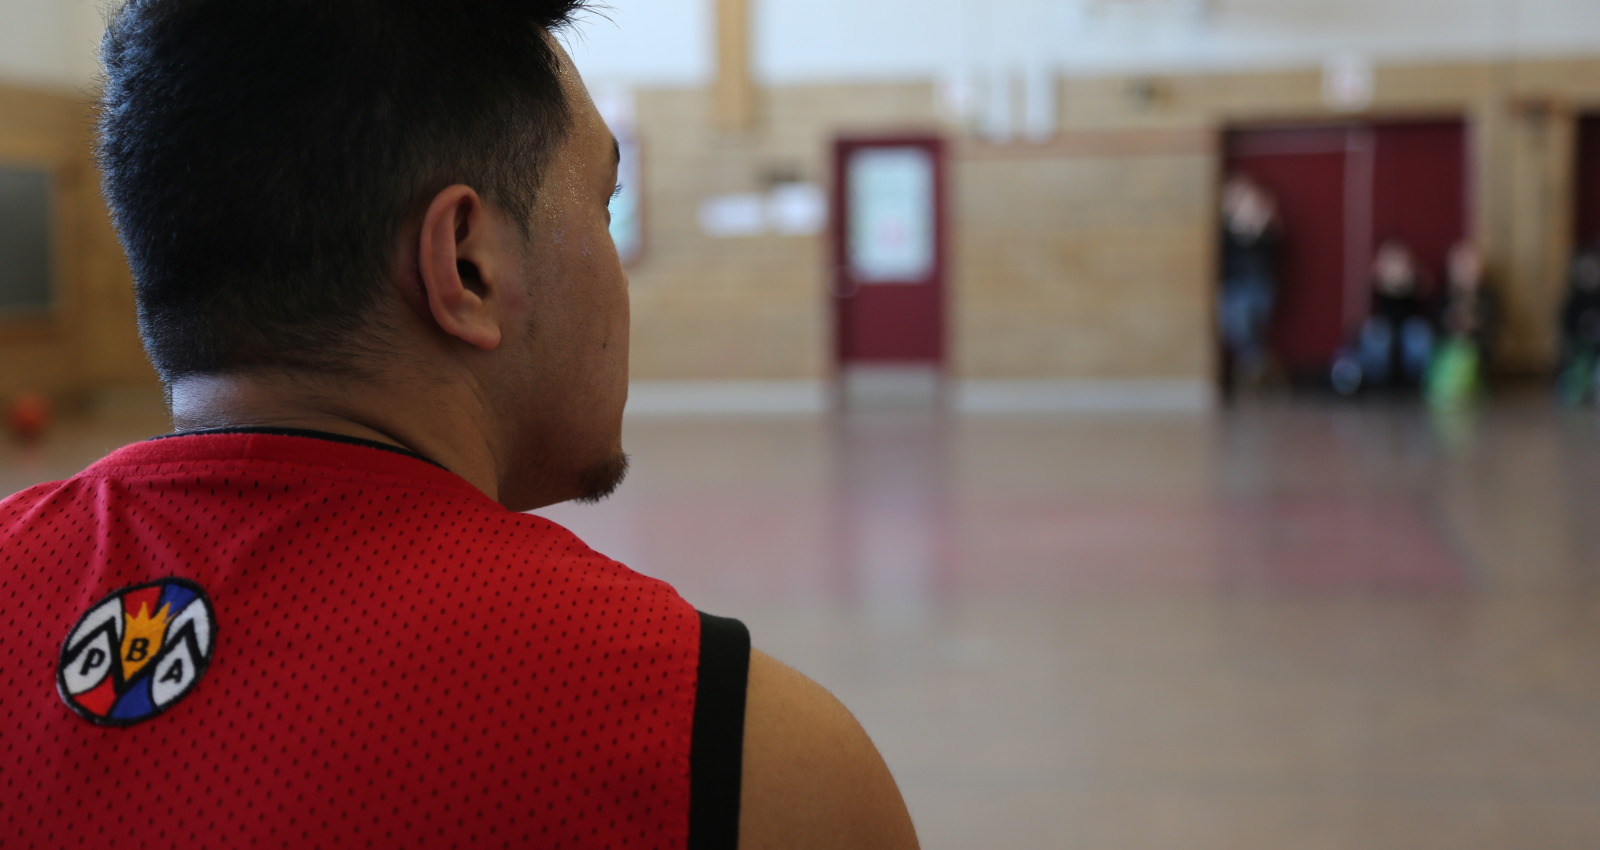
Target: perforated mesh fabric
<point x="399" y="662"/>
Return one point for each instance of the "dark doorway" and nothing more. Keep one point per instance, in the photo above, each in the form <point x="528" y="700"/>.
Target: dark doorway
<point x="1341" y="190"/>
<point x="1587" y="216"/>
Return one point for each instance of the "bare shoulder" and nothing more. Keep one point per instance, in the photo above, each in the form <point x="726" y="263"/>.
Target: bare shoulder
<point x="812" y="777"/>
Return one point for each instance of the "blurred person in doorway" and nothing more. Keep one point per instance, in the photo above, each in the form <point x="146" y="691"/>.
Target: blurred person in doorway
<point x="1251" y="246"/>
<point x="1579" y="379"/>
<point x="1392" y="347"/>
<point x="372" y="267"/>
<point x="1397" y="337"/>
<point x="1468" y="319"/>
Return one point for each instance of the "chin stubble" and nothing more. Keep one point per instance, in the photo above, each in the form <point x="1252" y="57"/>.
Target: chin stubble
<point x="602" y="479"/>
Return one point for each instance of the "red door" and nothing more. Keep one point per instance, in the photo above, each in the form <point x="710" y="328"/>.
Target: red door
<point x="1341" y="190"/>
<point x="1421" y="186"/>
<point x="1587" y="219"/>
<point x="1305" y="170"/>
<point x="888" y="246"/>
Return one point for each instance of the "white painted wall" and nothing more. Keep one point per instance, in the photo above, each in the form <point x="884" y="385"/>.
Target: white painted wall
<point x="670" y="42"/>
<point x="50" y="42"/>
<point x="828" y="39"/>
<point x="645" y="43"/>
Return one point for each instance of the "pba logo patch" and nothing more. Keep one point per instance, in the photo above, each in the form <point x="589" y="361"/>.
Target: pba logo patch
<point x="137" y="652"/>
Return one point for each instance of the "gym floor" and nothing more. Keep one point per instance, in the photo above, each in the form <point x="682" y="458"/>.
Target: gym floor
<point x="1291" y="624"/>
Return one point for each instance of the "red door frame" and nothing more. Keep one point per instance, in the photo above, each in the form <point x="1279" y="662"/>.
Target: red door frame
<point x="922" y="345"/>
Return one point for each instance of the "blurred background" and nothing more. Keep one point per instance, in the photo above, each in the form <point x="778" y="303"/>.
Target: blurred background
<point x="1167" y="423"/>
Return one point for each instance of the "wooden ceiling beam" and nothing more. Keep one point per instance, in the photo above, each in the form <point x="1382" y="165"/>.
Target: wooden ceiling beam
<point x="734" y="88"/>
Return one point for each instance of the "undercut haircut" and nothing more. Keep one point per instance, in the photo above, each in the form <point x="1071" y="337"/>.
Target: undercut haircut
<point x="261" y="159"/>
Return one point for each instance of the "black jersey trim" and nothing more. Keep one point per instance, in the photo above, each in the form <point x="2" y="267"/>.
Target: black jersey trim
<point x="716" y="752"/>
<point x="311" y="434"/>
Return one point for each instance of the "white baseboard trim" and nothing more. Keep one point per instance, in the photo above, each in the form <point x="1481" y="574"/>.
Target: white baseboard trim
<point x="1082" y="395"/>
<point x="783" y="397"/>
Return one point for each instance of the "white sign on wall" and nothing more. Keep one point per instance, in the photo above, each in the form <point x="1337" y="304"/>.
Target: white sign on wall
<point x="1347" y="83"/>
<point x="742" y="214"/>
<point x="788" y="209"/>
<point x="797" y="209"/>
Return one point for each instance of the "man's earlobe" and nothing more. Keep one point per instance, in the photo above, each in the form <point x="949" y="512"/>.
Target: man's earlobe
<point x="450" y="244"/>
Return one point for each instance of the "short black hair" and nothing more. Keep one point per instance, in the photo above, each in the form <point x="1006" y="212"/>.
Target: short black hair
<point x="261" y="158"/>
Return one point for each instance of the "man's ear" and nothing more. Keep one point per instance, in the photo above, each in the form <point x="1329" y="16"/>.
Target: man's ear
<point x="459" y="261"/>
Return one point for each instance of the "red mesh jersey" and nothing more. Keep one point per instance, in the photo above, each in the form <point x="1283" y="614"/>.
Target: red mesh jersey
<point x="395" y="661"/>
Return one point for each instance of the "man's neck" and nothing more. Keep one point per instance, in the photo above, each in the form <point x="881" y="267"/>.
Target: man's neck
<point x="442" y="427"/>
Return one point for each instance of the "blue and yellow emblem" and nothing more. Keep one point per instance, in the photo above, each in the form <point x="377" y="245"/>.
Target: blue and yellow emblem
<point x="137" y="652"/>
